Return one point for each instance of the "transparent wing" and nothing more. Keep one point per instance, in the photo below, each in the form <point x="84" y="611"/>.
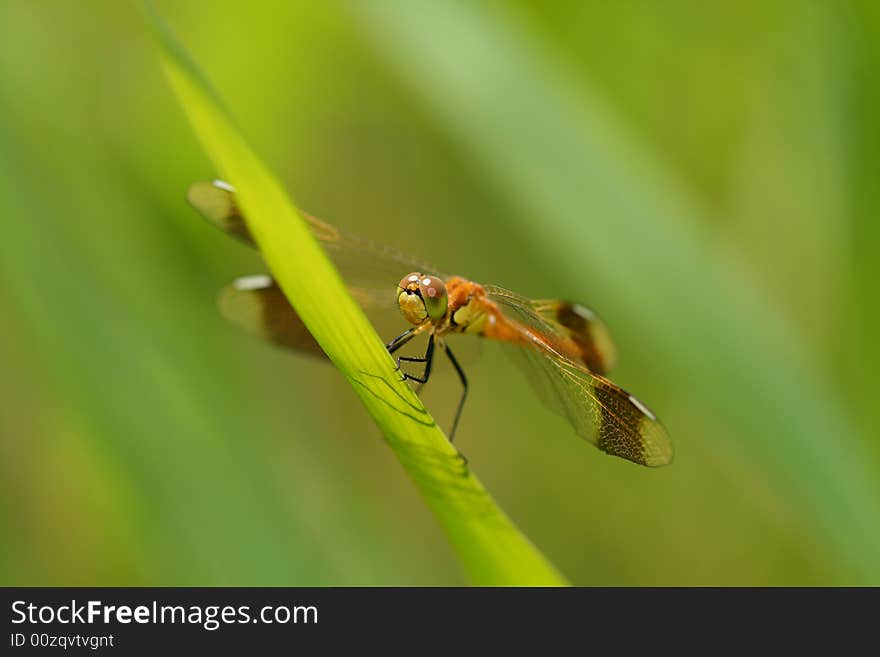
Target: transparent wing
<point x="598" y="410"/>
<point x="370" y="267"/>
<point x="257" y="304"/>
<point x="572" y="328"/>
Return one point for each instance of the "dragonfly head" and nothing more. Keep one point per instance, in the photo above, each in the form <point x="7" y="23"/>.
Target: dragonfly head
<point x="421" y="297"/>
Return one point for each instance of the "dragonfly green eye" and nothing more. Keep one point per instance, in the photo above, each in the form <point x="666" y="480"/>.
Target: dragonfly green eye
<point x="421" y="297"/>
<point x="433" y="292"/>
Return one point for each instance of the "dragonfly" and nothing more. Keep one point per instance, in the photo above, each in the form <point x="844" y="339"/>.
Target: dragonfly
<point x="564" y="348"/>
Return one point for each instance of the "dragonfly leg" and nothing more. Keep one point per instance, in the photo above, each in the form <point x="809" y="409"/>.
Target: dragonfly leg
<point x="427" y="359"/>
<point x="400" y="340"/>
<point x="464" y="385"/>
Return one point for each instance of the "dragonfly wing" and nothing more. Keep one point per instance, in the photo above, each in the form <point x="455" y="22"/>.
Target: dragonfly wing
<point x="574" y="328"/>
<point x="215" y="201"/>
<point x="369" y="269"/>
<point x="258" y="305"/>
<point x="600" y="411"/>
<point x="363" y="263"/>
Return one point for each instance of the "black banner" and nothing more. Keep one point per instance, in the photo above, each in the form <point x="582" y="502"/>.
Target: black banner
<point x="149" y="620"/>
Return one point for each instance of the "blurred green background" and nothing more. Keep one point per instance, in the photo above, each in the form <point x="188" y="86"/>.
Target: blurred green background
<point x="706" y="177"/>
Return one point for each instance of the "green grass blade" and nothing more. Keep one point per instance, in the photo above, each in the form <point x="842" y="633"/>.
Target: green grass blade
<point x="600" y="199"/>
<point x="493" y="551"/>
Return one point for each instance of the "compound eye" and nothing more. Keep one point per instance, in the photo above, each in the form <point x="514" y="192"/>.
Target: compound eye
<point x="433" y="292"/>
<point x="410" y="282"/>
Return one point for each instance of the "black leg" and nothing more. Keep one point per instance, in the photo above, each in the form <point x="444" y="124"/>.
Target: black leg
<point x="427" y="359"/>
<point x="464" y="385"/>
<point x="400" y="340"/>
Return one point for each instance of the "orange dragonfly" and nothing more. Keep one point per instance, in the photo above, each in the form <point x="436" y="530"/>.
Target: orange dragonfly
<point x="564" y="347"/>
